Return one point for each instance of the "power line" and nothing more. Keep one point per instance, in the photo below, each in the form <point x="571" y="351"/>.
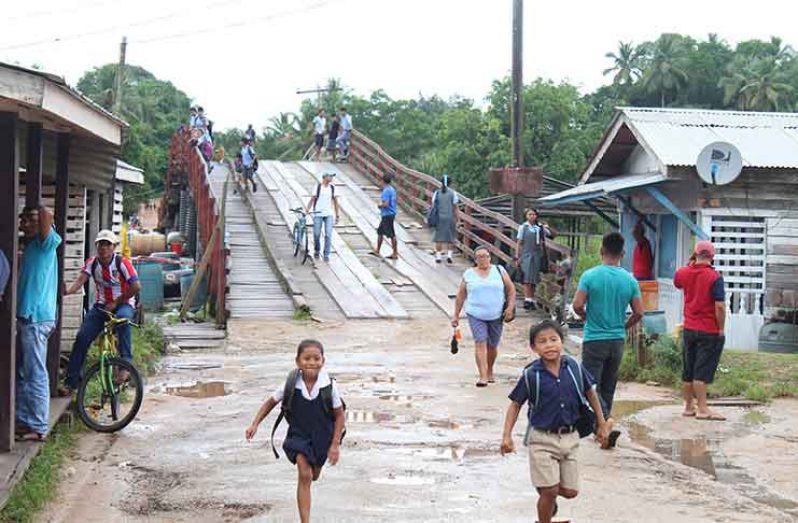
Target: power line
<point x="85" y="6"/>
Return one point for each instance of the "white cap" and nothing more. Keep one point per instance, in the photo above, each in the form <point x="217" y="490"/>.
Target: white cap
<point x="106" y="235"/>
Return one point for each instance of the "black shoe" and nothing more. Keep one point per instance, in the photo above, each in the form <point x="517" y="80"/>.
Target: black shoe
<point x="254" y="187"/>
<point x="532" y="306"/>
<point x="527" y="305"/>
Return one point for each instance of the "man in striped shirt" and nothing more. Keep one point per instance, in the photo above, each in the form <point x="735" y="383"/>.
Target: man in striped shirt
<point x="116" y="285"/>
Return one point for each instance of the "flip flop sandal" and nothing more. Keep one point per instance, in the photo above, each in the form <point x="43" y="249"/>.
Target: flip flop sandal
<point x="32" y="436"/>
<point x="688" y="414"/>
<point x="711" y="417"/>
<point x="612" y="439"/>
<point x="492" y="381"/>
<point x="481" y="384"/>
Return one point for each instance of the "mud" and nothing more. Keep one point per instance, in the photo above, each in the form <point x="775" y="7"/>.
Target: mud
<point x="422" y="443"/>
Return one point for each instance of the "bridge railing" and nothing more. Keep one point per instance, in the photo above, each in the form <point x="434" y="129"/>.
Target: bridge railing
<point x="479" y="226"/>
<point x="186" y="160"/>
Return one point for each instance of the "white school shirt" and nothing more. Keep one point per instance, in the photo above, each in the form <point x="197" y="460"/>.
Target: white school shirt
<point x="324" y="204"/>
<point x="319" y="124"/>
<point x="321" y="381"/>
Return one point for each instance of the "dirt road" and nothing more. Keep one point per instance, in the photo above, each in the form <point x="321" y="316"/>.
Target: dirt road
<point x="422" y="443"/>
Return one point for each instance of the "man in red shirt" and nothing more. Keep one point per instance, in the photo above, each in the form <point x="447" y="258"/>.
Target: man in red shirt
<point x="642" y="256"/>
<point x="704" y="323"/>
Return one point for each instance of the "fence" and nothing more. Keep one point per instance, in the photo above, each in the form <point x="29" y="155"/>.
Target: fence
<point x="479" y="226"/>
<point x="186" y="163"/>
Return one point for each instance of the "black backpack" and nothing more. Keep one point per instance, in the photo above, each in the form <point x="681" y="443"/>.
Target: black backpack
<point x="318" y="192"/>
<point x="289" y="389"/>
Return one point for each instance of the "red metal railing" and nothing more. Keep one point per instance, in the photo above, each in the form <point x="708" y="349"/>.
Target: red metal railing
<point x="186" y="158"/>
<point x="479" y="226"/>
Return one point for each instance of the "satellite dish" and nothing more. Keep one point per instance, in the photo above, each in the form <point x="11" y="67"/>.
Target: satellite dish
<point x="719" y="163"/>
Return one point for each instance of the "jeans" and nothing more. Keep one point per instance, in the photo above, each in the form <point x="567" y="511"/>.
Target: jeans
<point x="93" y="324"/>
<point x="327" y="222"/>
<point x="343" y="141"/>
<point x="602" y="359"/>
<point x="33" y="383"/>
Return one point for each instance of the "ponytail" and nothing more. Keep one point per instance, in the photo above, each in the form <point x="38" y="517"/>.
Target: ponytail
<point x="444" y="183"/>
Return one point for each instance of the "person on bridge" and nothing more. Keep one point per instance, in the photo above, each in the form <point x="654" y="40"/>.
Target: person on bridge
<point x="704" y="325"/>
<point x="323" y="202"/>
<point x="445" y="200"/>
<point x="602" y="297"/>
<point x="335" y="127"/>
<point x="314" y="410"/>
<point x="387" y="208"/>
<point x="319" y="128"/>
<point x="116" y="286"/>
<point x="250" y="134"/>
<point x="489" y="298"/>
<point x="346" y="130"/>
<point x="530" y="253"/>
<point x="248" y="160"/>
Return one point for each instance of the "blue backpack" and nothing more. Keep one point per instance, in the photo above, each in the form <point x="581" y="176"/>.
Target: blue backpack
<point x="432" y="214"/>
<point x="586" y="424"/>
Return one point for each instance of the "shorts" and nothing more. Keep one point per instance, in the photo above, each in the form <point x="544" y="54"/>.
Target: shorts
<point x="386" y="226"/>
<point x="701" y="355"/>
<point x="554" y="459"/>
<point x="319" y="140"/>
<point x="486" y="331"/>
<point x="248" y="172"/>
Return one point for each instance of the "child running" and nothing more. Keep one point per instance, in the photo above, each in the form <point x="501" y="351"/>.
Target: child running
<point x="549" y="385"/>
<point x="315" y="420"/>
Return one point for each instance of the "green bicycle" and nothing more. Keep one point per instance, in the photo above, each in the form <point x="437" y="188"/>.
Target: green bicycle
<point x="110" y="392"/>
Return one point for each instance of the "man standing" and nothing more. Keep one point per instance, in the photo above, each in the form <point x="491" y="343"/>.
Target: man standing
<point x="319" y="127"/>
<point x="704" y="324"/>
<point x="36" y="315"/>
<point x="249" y="134"/>
<point x="387" y="208"/>
<point x="248" y="164"/>
<point x="116" y="284"/>
<point x="323" y="202"/>
<point x="642" y="256"/>
<point x="603" y="294"/>
<point x="346" y="129"/>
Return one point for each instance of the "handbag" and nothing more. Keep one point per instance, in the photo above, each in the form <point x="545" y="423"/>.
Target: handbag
<point x="506" y="297"/>
<point x="586" y="424"/>
<point x="432" y="213"/>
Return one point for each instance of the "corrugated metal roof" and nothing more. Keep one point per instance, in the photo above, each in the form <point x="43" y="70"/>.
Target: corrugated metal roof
<point x="609" y="187"/>
<point x="676" y="136"/>
<point x="129" y="173"/>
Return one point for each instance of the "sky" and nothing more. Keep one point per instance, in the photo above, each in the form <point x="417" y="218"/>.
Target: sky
<point x="244" y="60"/>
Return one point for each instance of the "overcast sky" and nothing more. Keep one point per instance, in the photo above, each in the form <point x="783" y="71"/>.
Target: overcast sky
<point x="244" y="59"/>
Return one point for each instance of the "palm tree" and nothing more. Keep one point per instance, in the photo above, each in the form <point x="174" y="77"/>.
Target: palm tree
<point x="756" y="85"/>
<point x="626" y="64"/>
<point x="284" y="125"/>
<point x="664" y="73"/>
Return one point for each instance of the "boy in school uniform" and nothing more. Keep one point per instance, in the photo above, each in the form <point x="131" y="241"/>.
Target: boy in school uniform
<point x="550" y="387"/>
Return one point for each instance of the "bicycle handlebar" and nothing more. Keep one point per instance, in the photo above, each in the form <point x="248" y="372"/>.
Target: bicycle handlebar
<point x="115" y="321"/>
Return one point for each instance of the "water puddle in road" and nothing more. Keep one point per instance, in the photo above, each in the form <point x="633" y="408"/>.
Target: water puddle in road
<point x="403" y="481"/>
<point x="377" y="417"/>
<point x="703" y="453"/>
<point x="209" y="389"/>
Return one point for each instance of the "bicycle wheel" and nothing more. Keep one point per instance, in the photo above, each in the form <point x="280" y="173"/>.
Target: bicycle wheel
<point x="306" y="251"/>
<point x="296" y="237"/>
<point x="105" y="404"/>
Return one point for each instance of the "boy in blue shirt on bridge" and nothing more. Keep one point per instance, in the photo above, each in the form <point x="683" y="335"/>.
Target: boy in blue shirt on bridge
<point x="550" y="386"/>
<point x="387" y="208"/>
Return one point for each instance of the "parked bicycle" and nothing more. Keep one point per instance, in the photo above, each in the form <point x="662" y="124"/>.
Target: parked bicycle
<point x="299" y="233"/>
<point x="110" y="392"/>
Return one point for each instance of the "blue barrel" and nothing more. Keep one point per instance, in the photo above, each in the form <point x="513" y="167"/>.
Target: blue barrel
<point x="202" y="291"/>
<point x="654" y="322"/>
<point x="151" y="278"/>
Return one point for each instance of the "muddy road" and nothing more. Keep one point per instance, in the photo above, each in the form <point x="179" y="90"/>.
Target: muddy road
<point x="422" y="443"/>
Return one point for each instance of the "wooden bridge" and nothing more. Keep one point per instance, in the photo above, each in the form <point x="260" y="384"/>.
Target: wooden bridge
<point x="253" y="271"/>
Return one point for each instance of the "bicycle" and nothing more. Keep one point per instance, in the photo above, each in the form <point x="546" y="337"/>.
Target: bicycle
<point x="104" y="401"/>
<point x="299" y="233"/>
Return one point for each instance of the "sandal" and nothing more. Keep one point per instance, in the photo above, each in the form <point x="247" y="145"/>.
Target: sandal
<point x="32" y="436"/>
<point x="713" y="416"/>
<point x="481" y="384"/>
<point x="688" y="413"/>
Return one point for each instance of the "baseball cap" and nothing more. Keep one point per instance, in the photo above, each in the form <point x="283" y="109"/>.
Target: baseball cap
<point x="705" y="247"/>
<point x="107" y="236"/>
<point x="328" y="174"/>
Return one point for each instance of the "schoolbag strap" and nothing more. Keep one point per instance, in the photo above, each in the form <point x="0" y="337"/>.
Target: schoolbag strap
<point x="274" y="429"/>
<point x="578" y="383"/>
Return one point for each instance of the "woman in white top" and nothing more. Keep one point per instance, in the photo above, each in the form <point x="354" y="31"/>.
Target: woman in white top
<point x="489" y="298"/>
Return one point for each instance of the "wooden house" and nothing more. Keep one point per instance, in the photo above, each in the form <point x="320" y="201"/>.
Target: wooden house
<point x="59" y="148"/>
<point x="647" y="161"/>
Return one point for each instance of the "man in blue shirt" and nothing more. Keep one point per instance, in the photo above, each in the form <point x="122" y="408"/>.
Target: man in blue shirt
<point x="36" y="315"/>
<point x="248" y="162"/>
<point x="387" y="208"/>
<point x="346" y="129"/>
<point x="603" y="295"/>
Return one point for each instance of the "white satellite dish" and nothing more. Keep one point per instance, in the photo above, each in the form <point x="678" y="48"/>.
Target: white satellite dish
<point x="719" y="163"/>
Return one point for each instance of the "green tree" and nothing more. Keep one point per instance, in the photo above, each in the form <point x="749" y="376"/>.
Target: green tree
<point x="664" y="73"/>
<point x="626" y="65"/>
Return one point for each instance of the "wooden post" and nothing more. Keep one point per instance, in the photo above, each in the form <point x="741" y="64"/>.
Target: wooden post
<point x="9" y="178"/>
<point x="61" y="204"/>
<point x="33" y="166"/>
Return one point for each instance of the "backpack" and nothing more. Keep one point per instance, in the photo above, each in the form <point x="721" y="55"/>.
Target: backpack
<point x="318" y="192"/>
<point x="586" y="424"/>
<point x="432" y="214"/>
<point x="118" y="263"/>
<point x="289" y="389"/>
<point x="544" y="258"/>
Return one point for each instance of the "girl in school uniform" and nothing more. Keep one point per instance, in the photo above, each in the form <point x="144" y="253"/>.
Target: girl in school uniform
<point x="314" y="427"/>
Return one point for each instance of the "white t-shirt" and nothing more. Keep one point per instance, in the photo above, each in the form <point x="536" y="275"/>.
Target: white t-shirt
<point x="324" y="205"/>
<point x="319" y="124"/>
<point x="321" y="381"/>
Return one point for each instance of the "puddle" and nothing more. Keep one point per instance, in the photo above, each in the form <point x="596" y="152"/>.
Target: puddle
<point x="209" y="389"/>
<point x="404" y="481"/>
<point x="704" y="454"/>
<point x="372" y="416"/>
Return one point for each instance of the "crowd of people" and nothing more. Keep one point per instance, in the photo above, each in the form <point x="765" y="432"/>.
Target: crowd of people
<point x="337" y="133"/>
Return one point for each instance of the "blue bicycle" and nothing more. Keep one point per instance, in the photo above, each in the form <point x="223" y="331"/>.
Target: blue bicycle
<point x="299" y="233"/>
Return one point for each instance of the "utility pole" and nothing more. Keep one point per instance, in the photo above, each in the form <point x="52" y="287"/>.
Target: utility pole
<point x="517" y="118"/>
<point x="318" y="91"/>
<point x="119" y="78"/>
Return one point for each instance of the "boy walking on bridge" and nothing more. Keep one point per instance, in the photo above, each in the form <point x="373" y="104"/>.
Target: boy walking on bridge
<point x="323" y="202"/>
<point x="387" y="207"/>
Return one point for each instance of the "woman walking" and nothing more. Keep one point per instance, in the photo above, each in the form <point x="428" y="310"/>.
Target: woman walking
<point x="489" y="298"/>
<point x="446" y="201"/>
<point x="530" y="253"/>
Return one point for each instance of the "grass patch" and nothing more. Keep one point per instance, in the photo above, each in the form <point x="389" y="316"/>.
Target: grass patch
<point x="148" y="346"/>
<point x="753" y="375"/>
<point x="303" y="314"/>
<point x="40" y="482"/>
